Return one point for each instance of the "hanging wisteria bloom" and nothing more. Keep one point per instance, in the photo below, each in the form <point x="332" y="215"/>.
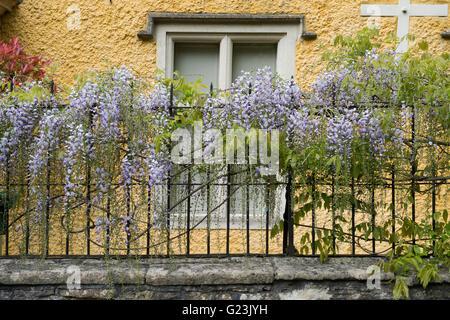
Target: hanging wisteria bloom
<point x="262" y="100"/>
<point x="43" y="156"/>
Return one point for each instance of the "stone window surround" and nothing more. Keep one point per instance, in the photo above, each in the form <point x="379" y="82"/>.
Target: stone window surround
<point x="226" y="29"/>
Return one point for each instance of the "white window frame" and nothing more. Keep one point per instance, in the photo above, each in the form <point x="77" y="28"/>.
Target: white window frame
<point x="284" y="35"/>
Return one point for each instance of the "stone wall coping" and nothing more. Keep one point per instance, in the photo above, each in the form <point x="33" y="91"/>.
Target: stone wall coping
<point x="189" y="271"/>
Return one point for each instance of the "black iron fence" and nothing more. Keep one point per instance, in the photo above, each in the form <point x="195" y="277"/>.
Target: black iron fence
<point x="226" y="219"/>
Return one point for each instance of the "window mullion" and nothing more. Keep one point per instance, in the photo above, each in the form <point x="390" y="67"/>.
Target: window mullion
<point x="225" y="62"/>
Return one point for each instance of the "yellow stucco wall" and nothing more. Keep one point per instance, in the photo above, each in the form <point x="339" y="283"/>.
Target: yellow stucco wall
<point x="109" y="31"/>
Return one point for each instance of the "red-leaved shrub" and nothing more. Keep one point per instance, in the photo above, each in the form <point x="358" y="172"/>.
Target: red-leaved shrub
<point x="16" y="66"/>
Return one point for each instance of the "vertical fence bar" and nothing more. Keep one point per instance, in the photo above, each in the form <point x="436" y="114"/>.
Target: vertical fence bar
<point x="333" y="209"/>
<point x="7" y="196"/>
<point x="208" y="209"/>
<point x="168" y="216"/>
<point x="413" y="171"/>
<point x="433" y="200"/>
<point x="288" y="229"/>
<point x="47" y="207"/>
<point x="267" y="216"/>
<point x="88" y="187"/>
<point x="149" y="212"/>
<point x="171" y="114"/>
<point x="291" y="248"/>
<point x="88" y="211"/>
<point x="393" y="207"/>
<point x="247" y="209"/>
<point x="228" y="208"/>
<point x="188" y="222"/>
<point x="208" y="196"/>
<point x="48" y="204"/>
<point x="285" y="220"/>
<point x="372" y="206"/>
<point x="127" y="228"/>
<point x="108" y="218"/>
<point x="6" y="207"/>
<point x="27" y="216"/>
<point x="67" y="234"/>
<point x="247" y="194"/>
<point x="352" y="186"/>
<point x="129" y="189"/>
<point x="67" y="215"/>
<point x="313" y="213"/>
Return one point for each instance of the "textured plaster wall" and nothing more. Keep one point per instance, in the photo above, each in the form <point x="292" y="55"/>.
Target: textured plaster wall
<point x="109" y="31"/>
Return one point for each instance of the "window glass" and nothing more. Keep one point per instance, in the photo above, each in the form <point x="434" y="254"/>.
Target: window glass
<point x="249" y="57"/>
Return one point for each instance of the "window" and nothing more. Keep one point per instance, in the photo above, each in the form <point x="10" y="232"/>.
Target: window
<point x="218" y="51"/>
<point x="195" y="60"/>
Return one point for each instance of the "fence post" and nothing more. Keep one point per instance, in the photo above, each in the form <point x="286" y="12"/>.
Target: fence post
<point x="48" y="200"/>
<point x="7" y="199"/>
<point x="208" y="197"/>
<point x="67" y="214"/>
<point x="333" y="208"/>
<point x="27" y="215"/>
<point x="171" y="114"/>
<point x="313" y="212"/>
<point x="413" y="171"/>
<point x="288" y="224"/>
<point x="267" y="216"/>
<point x="7" y="196"/>
<point x="352" y="187"/>
<point x="149" y="211"/>
<point x="433" y="199"/>
<point x="88" y="186"/>
<point x="188" y="222"/>
<point x="228" y="207"/>
<point x="47" y="206"/>
<point x="288" y="229"/>
<point x="393" y="207"/>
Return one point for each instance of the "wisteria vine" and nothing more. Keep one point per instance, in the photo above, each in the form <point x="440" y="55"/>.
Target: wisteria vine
<point x="104" y="135"/>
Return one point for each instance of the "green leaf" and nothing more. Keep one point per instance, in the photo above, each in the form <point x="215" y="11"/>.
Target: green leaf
<point x="401" y="290"/>
<point x="338" y="165"/>
<point x="274" y="231"/>
<point x="356" y="170"/>
<point x="423" y="45"/>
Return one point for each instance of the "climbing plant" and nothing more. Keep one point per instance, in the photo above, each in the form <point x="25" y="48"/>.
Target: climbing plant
<point x="90" y="162"/>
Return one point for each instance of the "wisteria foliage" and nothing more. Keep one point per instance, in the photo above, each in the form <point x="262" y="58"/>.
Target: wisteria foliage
<point x="102" y="135"/>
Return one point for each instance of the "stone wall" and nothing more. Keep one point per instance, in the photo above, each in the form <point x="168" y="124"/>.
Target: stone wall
<point x="107" y="30"/>
<point x="237" y="278"/>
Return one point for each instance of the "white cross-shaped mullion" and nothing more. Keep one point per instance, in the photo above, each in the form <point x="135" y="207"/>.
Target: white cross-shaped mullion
<point x="403" y="10"/>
